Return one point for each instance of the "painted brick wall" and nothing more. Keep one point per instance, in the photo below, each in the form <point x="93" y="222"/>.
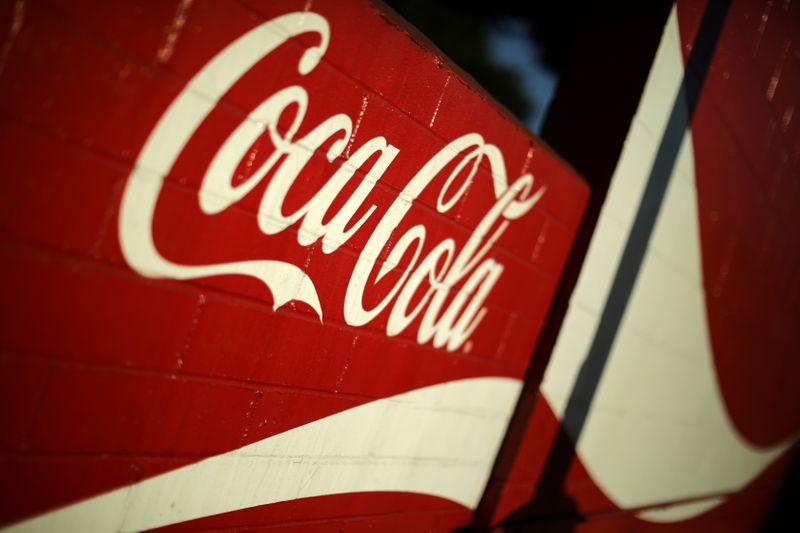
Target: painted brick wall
<point x="115" y="373"/>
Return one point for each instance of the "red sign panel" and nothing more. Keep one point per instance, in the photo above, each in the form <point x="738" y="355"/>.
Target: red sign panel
<point x="262" y="262"/>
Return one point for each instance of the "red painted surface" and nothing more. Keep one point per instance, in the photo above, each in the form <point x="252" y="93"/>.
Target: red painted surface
<point x="748" y="165"/>
<point x="109" y="377"/>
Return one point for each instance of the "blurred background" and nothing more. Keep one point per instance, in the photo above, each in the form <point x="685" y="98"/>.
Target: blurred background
<point x="515" y="50"/>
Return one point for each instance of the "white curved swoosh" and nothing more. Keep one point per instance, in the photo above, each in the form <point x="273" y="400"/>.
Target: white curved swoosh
<point x="658" y="430"/>
<point x="439" y="440"/>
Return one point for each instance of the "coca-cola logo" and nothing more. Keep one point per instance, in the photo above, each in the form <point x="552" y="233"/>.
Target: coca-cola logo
<point x="457" y="278"/>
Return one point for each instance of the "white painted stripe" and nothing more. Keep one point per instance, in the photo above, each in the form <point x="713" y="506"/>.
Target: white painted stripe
<point x="658" y="430"/>
<point x="439" y="440"/>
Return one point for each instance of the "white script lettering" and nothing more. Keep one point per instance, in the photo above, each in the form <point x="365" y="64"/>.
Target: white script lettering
<point x="458" y="281"/>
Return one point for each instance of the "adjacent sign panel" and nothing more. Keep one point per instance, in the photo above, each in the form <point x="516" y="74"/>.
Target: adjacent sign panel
<point x="692" y="420"/>
<point x="263" y="262"/>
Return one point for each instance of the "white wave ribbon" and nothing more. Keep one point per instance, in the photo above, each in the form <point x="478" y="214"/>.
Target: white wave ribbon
<point x="439" y="440"/>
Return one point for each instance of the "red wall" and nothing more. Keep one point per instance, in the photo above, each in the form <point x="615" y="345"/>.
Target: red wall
<point x="138" y="343"/>
<point x="114" y="372"/>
